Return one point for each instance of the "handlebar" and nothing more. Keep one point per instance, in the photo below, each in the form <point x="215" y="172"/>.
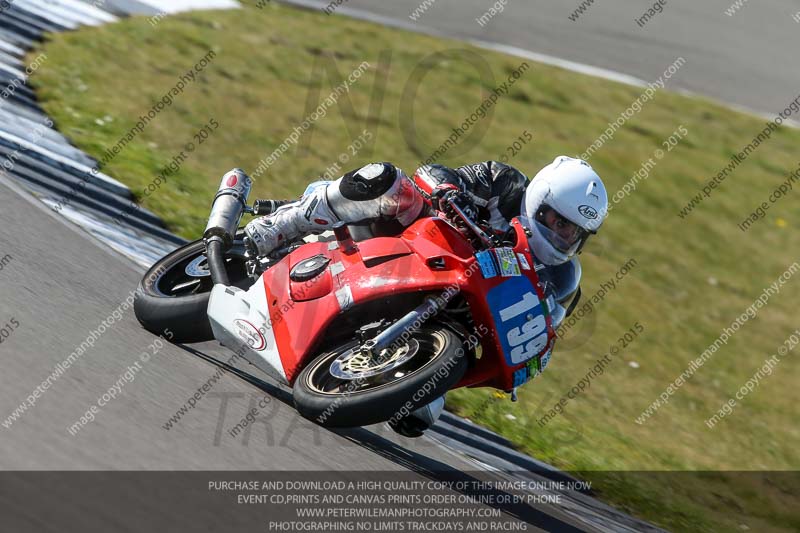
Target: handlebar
<point x="487" y="240"/>
<point x="266" y="207"/>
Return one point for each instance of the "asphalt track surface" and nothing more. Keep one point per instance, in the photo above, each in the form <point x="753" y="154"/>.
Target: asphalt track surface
<point x="59" y="293"/>
<point x="749" y="60"/>
<point x="62" y="280"/>
<point x="64" y="273"/>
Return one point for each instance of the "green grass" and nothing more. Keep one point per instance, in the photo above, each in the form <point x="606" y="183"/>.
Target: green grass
<point x="256" y="88"/>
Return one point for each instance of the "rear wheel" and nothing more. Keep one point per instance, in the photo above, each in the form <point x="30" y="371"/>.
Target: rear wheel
<point x="174" y="293"/>
<point x="347" y="387"/>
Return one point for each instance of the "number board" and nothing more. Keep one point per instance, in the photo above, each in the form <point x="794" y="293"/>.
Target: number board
<point x="520" y="319"/>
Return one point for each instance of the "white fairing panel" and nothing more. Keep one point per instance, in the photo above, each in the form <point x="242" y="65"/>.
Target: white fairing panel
<point x="240" y="321"/>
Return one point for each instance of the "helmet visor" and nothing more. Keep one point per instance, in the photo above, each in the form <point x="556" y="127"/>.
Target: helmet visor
<point x="562" y="233"/>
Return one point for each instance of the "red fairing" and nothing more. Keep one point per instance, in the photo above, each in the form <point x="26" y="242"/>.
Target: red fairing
<point x="429" y="256"/>
<point x="349" y="280"/>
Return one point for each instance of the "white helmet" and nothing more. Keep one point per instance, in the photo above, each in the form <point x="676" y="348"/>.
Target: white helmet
<point x="564" y="204"/>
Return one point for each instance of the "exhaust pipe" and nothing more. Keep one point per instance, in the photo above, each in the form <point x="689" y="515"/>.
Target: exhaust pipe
<point x="228" y="207"/>
<point x="226" y="213"/>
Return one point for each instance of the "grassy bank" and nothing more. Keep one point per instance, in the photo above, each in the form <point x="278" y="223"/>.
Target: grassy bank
<point x="271" y="69"/>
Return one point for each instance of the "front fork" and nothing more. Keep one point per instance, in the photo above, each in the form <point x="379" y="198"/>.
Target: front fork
<point x="416" y="422"/>
<point x="411" y="321"/>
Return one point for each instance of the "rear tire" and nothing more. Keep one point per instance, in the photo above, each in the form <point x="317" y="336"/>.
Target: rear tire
<point x="438" y="365"/>
<point x="170" y="298"/>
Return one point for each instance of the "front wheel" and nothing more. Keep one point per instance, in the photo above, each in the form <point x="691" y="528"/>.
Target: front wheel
<point x="347" y="387"/>
<point x="174" y="293"/>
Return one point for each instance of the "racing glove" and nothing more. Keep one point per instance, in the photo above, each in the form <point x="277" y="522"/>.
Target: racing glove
<point x="443" y="193"/>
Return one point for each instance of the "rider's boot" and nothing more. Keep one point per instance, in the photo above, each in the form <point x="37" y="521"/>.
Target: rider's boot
<point x="418" y="421"/>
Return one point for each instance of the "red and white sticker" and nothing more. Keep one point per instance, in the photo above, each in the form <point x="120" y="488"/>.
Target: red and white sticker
<point x="250" y="334"/>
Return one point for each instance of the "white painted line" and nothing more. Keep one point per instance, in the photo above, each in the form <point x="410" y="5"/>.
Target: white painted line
<point x="792" y="123"/>
<point x="566" y="64"/>
<point x="174" y="6"/>
<point x="11" y="49"/>
<point x="581" y="68"/>
<point x="512" y="50"/>
<point x="20" y="75"/>
<point x="67" y="12"/>
<point x="38" y="9"/>
<point x="137" y="246"/>
<point x="107" y="182"/>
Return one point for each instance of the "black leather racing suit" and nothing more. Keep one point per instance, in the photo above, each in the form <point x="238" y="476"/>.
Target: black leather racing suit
<point x="496" y="189"/>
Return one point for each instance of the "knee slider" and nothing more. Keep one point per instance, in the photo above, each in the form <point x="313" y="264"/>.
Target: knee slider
<point x="369" y="182"/>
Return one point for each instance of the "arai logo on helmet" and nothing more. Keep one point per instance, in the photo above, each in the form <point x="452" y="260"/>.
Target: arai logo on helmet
<point x="250" y="334"/>
<point x="587" y="211"/>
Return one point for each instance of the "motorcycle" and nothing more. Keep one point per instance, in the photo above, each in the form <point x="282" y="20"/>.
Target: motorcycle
<point x="365" y="327"/>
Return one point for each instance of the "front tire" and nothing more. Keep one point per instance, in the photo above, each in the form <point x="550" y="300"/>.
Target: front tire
<point x="173" y="295"/>
<point x="322" y="397"/>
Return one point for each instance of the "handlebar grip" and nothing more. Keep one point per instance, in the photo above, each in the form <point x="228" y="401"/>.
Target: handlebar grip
<point x="470" y="224"/>
<point x="267" y="207"/>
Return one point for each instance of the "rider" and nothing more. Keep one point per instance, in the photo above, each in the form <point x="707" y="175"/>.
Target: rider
<point x="561" y="207"/>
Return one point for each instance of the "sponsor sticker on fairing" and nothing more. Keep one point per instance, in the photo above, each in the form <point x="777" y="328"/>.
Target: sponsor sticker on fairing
<point x="250" y="334"/>
<point x="509" y="266"/>
<point x="544" y="360"/>
<point x="521" y="377"/>
<point x="532" y="368"/>
<point x="487" y="263"/>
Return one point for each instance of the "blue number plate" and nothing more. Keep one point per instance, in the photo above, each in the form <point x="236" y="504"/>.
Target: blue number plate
<point x="520" y="319"/>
